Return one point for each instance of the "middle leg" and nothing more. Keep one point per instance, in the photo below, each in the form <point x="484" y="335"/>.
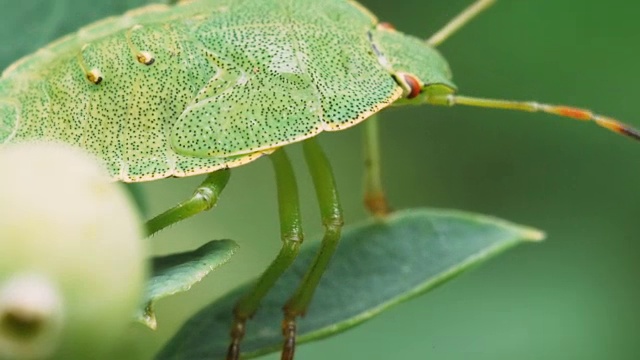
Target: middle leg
<point x="331" y="212"/>
<point x="291" y="233"/>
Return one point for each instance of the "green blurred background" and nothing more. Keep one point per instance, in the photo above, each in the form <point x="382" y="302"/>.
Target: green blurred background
<point x="574" y="296"/>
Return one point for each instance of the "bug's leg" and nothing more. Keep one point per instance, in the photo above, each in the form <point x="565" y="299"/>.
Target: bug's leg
<point x="291" y="233"/>
<point x="374" y="197"/>
<point x="532" y="106"/>
<point x="332" y="220"/>
<point x="459" y="21"/>
<point x="204" y="198"/>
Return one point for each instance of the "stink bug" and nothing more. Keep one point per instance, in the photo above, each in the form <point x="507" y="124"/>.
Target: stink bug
<point x="209" y="85"/>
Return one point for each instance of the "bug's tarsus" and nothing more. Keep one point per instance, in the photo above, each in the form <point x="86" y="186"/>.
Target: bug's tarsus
<point x="289" y="333"/>
<point x="377" y="204"/>
<point x="237" y="333"/>
<point x="459" y="21"/>
<point x="532" y="106"/>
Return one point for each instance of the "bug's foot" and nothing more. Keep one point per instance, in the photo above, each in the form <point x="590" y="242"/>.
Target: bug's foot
<point x="289" y="333"/>
<point x="237" y="333"/>
<point x="377" y="205"/>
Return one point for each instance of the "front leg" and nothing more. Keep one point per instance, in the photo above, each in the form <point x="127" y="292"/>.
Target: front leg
<point x="204" y="198"/>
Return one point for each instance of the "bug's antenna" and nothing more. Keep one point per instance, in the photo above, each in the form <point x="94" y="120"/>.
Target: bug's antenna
<point x="530" y="106"/>
<point x="459" y="21"/>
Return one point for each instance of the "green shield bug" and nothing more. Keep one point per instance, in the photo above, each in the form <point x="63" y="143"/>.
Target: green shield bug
<point x="205" y="86"/>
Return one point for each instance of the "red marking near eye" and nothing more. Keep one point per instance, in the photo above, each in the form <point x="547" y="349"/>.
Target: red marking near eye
<point x="574" y="113"/>
<point x="386" y="26"/>
<point x="414" y="85"/>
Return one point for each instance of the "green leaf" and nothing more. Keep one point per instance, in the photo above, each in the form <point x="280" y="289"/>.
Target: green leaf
<point x="178" y="272"/>
<point x="377" y="265"/>
<point x="26" y="26"/>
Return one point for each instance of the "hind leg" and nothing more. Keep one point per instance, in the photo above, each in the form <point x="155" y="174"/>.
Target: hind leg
<point x="374" y="197"/>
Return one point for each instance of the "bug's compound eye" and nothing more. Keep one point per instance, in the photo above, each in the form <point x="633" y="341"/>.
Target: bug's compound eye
<point x="410" y="83"/>
<point x="95" y="76"/>
<point x="146" y="58"/>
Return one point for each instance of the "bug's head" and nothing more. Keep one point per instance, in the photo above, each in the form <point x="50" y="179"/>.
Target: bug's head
<point x="425" y="76"/>
<point x="418" y="68"/>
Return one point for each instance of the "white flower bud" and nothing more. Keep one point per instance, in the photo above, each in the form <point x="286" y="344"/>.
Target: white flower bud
<point x="71" y="255"/>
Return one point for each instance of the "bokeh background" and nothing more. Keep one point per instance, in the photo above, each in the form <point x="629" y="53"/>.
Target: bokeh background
<point x="574" y="296"/>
